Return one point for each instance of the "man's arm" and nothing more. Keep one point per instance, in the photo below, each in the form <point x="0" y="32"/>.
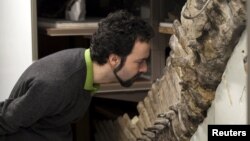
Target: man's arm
<point x="25" y="110"/>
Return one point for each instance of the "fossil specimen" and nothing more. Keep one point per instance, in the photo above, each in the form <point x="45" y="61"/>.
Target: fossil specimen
<point x="200" y="48"/>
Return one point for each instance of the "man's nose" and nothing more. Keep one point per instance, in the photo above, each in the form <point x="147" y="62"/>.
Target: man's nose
<point x="144" y="67"/>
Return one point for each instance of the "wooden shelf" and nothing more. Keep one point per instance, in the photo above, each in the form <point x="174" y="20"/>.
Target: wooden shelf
<point x="166" y="28"/>
<point x="134" y="93"/>
<point x="115" y="87"/>
<point x="69" y="32"/>
<point x="57" y="27"/>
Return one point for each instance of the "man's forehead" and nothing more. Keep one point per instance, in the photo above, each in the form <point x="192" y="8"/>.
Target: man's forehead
<point x="141" y="51"/>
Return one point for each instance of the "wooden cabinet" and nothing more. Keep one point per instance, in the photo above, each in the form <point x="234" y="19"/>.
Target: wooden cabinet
<point x="59" y="34"/>
<point x="55" y="34"/>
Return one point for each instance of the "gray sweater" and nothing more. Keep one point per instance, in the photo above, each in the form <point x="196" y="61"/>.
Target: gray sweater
<point x="46" y="99"/>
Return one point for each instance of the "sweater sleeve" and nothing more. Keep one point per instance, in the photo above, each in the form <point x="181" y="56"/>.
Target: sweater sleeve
<point x="23" y="111"/>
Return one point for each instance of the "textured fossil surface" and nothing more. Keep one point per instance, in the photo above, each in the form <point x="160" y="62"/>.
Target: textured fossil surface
<point x="178" y="102"/>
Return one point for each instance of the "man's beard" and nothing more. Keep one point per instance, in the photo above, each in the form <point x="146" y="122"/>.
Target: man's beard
<point x="128" y="82"/>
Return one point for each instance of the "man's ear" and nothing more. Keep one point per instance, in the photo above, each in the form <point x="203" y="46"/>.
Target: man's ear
<point x="114" y="60"/>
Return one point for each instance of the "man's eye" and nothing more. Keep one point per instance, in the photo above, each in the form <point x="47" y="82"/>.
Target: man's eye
<point x="141" y="62"/>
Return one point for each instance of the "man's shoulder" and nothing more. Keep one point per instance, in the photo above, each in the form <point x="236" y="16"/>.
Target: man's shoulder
<point x="65" y="55"/>
<point x="68" y="51"/>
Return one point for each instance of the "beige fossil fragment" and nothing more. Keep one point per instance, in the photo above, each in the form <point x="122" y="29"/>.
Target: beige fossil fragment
<point x="200" y="48"/>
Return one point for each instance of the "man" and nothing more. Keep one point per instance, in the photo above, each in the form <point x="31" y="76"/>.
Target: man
<point x="56" y="90"/>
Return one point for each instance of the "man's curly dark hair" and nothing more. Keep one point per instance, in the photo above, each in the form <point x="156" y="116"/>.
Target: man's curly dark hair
<point x="117" y="34"/>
